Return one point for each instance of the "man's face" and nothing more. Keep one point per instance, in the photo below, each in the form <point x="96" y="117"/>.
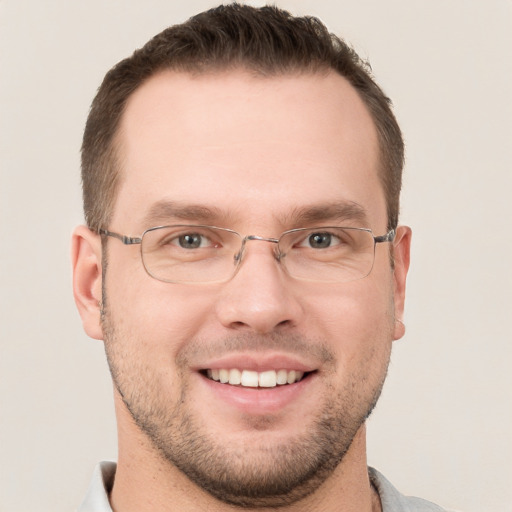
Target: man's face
<point x="260" y="156"/>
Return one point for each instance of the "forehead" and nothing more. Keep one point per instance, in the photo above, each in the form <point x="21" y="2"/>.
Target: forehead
<point x="249" y="147"/>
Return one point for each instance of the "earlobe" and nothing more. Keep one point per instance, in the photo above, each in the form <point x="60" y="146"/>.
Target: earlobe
<point x="402" y="253"/>
<point x="87" y="276"/>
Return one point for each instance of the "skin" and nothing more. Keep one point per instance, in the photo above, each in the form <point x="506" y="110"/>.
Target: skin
<point x="255" y="151"/>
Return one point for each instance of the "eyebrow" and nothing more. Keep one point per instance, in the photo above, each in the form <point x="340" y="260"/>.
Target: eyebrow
<point x="340" y="211"/>
<point x="165" y="211"/>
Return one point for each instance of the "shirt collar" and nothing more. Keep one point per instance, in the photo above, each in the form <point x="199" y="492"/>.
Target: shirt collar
<point x="96" y="499"/>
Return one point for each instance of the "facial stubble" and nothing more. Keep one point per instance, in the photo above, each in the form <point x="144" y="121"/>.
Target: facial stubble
<point x="247" y="474"/>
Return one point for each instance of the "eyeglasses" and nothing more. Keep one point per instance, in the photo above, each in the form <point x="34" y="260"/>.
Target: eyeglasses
<point x="209" y="254"/>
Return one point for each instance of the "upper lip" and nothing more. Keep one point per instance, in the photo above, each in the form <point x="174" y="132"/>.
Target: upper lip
<point x="257" y="362"/>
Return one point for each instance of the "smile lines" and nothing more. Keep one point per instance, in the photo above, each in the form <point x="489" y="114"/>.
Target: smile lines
<point x="253" y="379"/>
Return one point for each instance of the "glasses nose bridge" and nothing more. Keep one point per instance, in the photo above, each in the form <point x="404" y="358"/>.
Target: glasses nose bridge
<point x="257" y="238"/>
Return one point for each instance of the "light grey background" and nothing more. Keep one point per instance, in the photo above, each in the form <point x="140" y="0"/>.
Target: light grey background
<point x="443" y="427"/>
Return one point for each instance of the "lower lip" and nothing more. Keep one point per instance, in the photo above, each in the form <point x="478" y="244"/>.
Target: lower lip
<point x="256" y="401"/>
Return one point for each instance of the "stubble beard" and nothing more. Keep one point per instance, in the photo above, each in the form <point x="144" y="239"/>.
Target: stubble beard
<point x="248" y="475"/>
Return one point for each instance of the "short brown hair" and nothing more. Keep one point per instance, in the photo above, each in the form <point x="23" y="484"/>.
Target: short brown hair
<point x="266" y="40"/>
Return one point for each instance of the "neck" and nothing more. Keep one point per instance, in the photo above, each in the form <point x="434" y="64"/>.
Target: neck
<point x="146" y="482"/>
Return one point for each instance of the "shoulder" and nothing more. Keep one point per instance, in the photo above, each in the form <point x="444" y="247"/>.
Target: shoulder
<point x="393" y="501"/>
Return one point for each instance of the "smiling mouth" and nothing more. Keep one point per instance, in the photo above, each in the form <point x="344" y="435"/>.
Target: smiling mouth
<point x="254" y="379"/>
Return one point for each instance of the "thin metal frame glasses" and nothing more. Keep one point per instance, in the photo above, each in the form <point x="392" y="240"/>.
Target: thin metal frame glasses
<point x="189" y="253"/>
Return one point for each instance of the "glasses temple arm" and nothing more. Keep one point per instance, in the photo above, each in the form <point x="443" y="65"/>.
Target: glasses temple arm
<point x="388" y="237"/>
<point x="127" y="240"/>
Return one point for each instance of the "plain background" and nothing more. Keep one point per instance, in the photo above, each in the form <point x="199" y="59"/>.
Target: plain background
<point x="443" y="427"/>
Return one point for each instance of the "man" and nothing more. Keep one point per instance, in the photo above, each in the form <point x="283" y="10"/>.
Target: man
<point x="243" y="263"/>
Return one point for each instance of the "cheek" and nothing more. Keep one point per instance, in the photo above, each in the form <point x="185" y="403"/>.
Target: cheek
<point x="158" y="318"/>
<point x="357" y="321"/>
<point x="358" y="307"/>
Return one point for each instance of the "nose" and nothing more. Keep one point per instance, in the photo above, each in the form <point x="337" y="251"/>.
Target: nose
<point x="260" y="297"/>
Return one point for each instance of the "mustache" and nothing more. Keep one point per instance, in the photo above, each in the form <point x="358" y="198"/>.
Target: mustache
<point x="292" y="344"/>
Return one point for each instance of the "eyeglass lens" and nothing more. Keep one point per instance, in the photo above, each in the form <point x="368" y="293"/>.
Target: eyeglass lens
<point x="201" y="254"/>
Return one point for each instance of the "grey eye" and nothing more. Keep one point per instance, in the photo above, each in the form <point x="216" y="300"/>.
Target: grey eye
<point x="190" y="241"/>
<point x="320" y="240"/>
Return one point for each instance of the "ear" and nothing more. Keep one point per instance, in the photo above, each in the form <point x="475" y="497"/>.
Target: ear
<point x="402" y="253"/>
<point x="86" y="261"/>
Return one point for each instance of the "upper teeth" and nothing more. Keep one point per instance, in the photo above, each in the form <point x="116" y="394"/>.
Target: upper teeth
<point x="249" y="378"/>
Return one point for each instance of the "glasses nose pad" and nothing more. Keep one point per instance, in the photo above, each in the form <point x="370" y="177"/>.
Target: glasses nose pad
<point x="237" y="257"/>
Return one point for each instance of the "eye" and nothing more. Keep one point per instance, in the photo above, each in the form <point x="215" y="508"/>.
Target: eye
<point x="321" y="240"/>
<point x="191" y="241"/>
<point x="184" y="239"/>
